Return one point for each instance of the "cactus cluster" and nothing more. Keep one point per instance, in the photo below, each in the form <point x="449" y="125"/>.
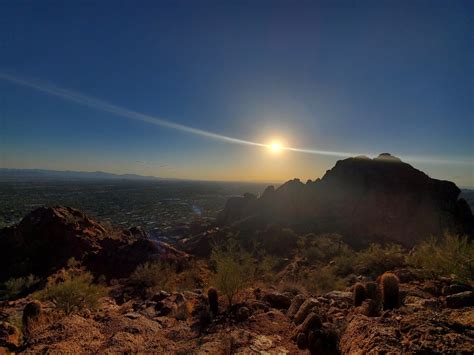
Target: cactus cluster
<point x="213" y="299"/>
<point x="384" y="294"/>
<point x="371" y="291"/>
<point x="390" y="290"/>
<point x="31" y="316"/>
<point x="359" y="294"/>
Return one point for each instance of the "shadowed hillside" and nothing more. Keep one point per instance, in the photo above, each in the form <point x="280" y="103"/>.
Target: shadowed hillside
<point x="381" y="199"/>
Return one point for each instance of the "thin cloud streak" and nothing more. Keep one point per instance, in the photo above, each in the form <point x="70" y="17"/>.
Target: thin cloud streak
<point x="137" y="116"/>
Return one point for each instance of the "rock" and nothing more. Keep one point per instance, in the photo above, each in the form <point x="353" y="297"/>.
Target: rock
<point x="66" y="233"/>
<point x="340" y="296"/>
<point x="304" y="310"/>
<point x="460" y="300"/>
<point x="455" y="288"/>
<point x="132" y="315"/>
<point x="10" y="336"/>
<point x="367" y="199"/>
<point x="365" y="334"/>
<point x="277" y="300"/>
<point x="295" y="306"/>
<point x="418" y="302"/>
<point x="261" y="343"/>
<point x="157" y="297"/>
<point x="243" y="313"/>
<point x="258" y="306"/>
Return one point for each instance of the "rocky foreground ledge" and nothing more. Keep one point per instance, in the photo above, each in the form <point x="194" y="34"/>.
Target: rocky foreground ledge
<point x="434" y="316"/>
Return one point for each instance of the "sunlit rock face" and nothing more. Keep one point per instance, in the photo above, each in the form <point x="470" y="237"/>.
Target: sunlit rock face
<point x="382" y="199"/>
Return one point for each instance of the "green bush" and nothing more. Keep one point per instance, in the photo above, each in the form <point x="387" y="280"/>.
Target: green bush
<point x="322" y="280"/>
<point x="15" y="286"/>
<point x="377" y="259"/>
<point x="154" y="276"/>
<point x="234" y="269"/>
<point x="449" y="256"/>
<point x="75" y="293"/>
<point x="323" y="248"/>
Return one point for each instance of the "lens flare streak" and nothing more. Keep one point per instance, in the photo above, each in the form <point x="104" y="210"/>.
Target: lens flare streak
<point x="120" y="111"/>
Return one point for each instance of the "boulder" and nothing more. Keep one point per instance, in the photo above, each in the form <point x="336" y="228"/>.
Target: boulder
<point x="10" y="336"/>
<point x="460" y="300"/>
<point x="455" y="288"/>
<point x="277" y="300"/>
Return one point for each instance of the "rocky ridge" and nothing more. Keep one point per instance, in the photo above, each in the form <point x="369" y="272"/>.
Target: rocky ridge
<point x="48" y="236"/>
<point x="363" y="199"/>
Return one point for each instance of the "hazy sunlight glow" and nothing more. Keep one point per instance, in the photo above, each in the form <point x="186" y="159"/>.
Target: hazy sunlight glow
<point x="274" y="146"/>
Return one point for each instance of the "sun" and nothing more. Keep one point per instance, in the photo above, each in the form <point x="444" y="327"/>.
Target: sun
<point x="275" y="147"/>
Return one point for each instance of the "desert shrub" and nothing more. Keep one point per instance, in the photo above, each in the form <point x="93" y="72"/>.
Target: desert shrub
<point x="189" y="279"/>
<point x="14" y="287"/>
<point x="234" y="268"/>
<point x="154" y="276"/>
<point x="377" y="259"/>
<point x="390" y="290"/>
<point x="74" y="294"/>
<point x="322" y="280"/>
<point x="450" y="255"/>
<point x="344" y="264"/>
<point x="323" y="248"/>
<point x="278" y="241"/>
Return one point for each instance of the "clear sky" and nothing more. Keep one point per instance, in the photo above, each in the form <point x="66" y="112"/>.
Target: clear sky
<point x="345" y="76"/>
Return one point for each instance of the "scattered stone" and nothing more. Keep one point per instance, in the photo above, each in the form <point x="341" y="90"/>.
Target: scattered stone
<point x="460" y="300"/>
<point x="132" y="315"/>
<point x="10" y="336"/>
<point x="160" y="296"/>
<point x="277" y="300"/>
<point x="455" y="288"/>
<point x="243" y="313"/>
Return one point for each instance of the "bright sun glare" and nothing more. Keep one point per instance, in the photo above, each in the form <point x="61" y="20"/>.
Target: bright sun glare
<point x="275" y="147"/>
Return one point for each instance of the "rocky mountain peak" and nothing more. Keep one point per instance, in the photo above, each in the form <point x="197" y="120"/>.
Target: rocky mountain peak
<point x="380" y="199"/>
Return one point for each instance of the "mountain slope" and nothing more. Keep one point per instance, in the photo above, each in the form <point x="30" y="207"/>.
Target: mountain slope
<point x="381" y="199"/>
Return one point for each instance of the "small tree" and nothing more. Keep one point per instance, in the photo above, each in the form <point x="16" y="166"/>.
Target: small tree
<point x="75" y="293"/>
<point x="235" y="269"/>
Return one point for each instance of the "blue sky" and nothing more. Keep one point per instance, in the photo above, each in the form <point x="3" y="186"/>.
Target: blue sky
<point x="346" y="76"/>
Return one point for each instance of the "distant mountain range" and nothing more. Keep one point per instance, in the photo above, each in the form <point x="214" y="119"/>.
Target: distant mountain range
<point x="7" y="174"/>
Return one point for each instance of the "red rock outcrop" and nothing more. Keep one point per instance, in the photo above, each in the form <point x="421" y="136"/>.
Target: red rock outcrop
<point x="47" y="237"/>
